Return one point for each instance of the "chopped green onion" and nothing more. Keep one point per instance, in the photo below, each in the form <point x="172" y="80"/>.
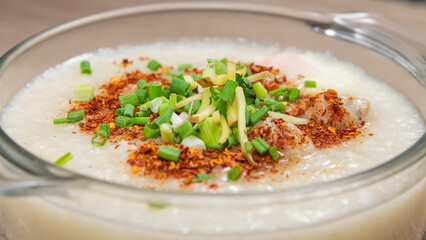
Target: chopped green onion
<point x="185" y="130"/>
<point x="220" y="67"/>
<point x="154" y="65"/>
<point x="164" y="117"/>
<point x="248" y="115"/>
<point x="169" y="153"/>
<point x="185" y="66"/>
<point x="215" y="145"/>
<point x="234" y="131"/>
<point x="179" y="86"/>
<point x="166" y="92"/>
<point x="145" y="106"/>
<point x="263" y="143"/>
<point x="163" y="107"/>
<point x="85" y="67"/>
<point x="196" y="76"/>
<point x="195" y="106"/>
<point x="194" y="142"/>
<point x="83" y="92"/>
<point x="209" y="131"/>
<point x="259" y="147"/>
<point x="173" y="100"/>
<point x="205" y="102"/>
<point x="106" y="128"/>
<point x="216" y="116"/>
<point x="281" y="108"/>
<point x="251" y="109"/>
<point x="139" y="120"/>
<point x="202" y="177"/>
<point x="274" y="153"/>
<point x="154" y="90"/>
<point x="174" y="72"/>
<point x="248" y="147"/>
<point x="65" y="158"/>
<point x="215" y="92"/>
<point x="122" y="121"/>
<point x="193" y="84"/>
<point x="232" y="113"/>
<point x="128" y="110"/>
<point x="310" y="84"/>
<point x="231" y="141"/>
<point x="151" y="130"/>
<point x="167" y="133"/>
<point x="275" y="105"/>
<point x="75" y="116"/>
<point x="221" y="106"/>
<point x="249" y="73"/>
<point x="180" y="76"/>
<point x="154" y="104"/>
<point x="141" y="95"/>
<point x="130" y="98"/>
<point x="225" y="130"/>
<point x="157" y="205"/>
<point x="189" y="92"/>
<point x="260" y="90"/>
<point x="143" y="113"/>
<point x="278" y="91"/>
<point x="258" y="115"/>
<point x="248" y="129"/>
<point x="234" y="173"/>
<point x="228" y="91"/>
<point x="293" y="94"/>
<point x="142" y="84"/>
<point x="104" y="131"/>
<point x="119" y="111"/>
<point x="60" y="121"/>
<point x="256" y="103"/>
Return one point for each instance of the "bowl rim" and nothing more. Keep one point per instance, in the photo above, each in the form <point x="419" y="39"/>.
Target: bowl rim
<point x="44" y="169"/>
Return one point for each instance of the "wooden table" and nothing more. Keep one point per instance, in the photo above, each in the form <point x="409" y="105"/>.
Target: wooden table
<point x="20" y="19"/>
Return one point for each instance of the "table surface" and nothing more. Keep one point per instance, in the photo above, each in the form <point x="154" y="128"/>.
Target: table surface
<point x="19" y="19"/>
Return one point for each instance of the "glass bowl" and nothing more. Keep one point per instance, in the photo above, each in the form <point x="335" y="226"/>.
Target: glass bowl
<point x="42" y="201"/>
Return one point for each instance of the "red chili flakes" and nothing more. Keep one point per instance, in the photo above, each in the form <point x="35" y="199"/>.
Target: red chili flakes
<point x="191" y="161"/>
<point x="125" y="62"/>
<point x="277" y="134"/>
<point x="101" y="109"/>
<point x="324" y="136"/>
<point x="320" y="103"/>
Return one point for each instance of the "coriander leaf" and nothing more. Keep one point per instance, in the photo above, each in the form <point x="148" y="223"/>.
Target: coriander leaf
<point x="248" y="89"/>
<point x="202" y="176"/>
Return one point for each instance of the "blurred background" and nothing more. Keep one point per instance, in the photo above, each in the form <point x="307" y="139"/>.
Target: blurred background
<point x="20" y="19"/>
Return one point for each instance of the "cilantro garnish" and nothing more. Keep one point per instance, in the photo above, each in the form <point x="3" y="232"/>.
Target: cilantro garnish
<point x="247" y="86"/>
